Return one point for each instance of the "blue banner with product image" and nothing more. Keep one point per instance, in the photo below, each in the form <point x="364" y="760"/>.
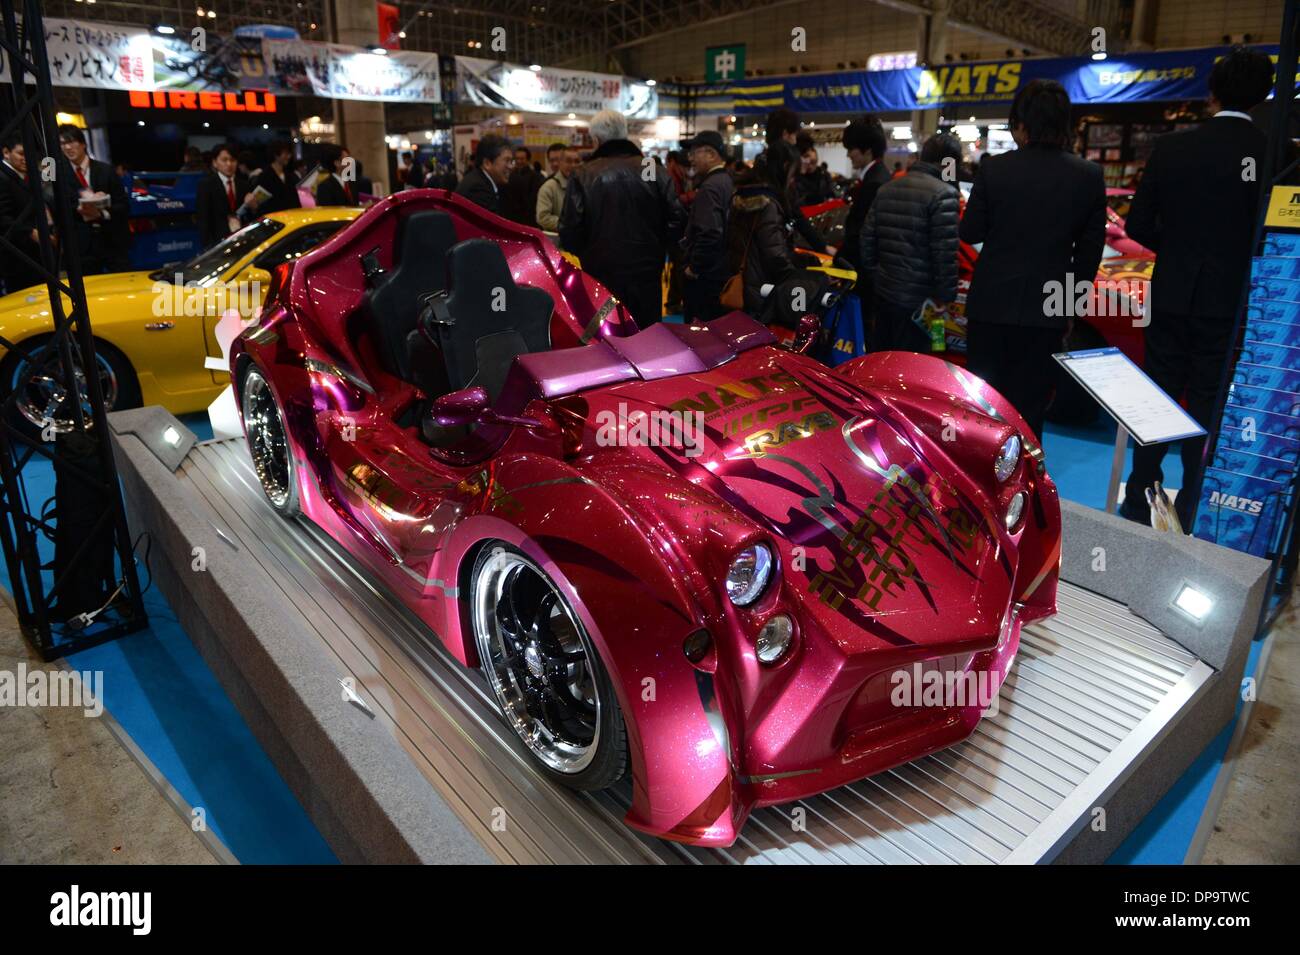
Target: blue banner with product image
<point x="1252" y="471"/>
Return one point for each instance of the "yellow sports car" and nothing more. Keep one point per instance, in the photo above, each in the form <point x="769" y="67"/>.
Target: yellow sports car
<point x="153" y="330"/>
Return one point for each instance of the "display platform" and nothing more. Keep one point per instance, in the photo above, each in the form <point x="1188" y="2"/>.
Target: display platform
<point x="1100" y="715"/>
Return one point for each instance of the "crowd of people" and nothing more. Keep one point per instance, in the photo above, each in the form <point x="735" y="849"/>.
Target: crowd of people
<point x="99" y="212"/>
<point x="730" y="229"/>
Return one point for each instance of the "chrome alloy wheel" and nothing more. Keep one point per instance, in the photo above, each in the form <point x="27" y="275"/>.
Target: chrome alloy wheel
<point x="538" y="660"/>
<point x="43" y="397"/>
<point x="268" y="444"/>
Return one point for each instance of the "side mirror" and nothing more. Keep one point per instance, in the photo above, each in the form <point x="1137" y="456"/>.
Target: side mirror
<point x="461" y="408"/>
<point x="805" y="333"/>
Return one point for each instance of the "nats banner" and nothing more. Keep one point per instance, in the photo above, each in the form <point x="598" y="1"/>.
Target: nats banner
<point x="303" y="67"/>
<point x="1126" y="78"/>
<point x="512" y="86"/>
<point x="95" y="56"/>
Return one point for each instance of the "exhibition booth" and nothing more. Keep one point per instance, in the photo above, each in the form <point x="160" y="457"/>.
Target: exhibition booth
<point x="432" y="552"/>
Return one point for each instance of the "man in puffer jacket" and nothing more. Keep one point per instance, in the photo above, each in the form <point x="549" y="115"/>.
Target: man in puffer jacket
<point x="909" y="244"/>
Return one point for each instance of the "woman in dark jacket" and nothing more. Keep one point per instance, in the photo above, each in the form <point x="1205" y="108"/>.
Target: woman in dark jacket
<point x="757" y="239"/>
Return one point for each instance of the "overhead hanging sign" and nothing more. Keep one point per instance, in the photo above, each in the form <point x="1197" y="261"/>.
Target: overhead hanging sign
<point x="1128" y="78"/>
<point x="512" y="86"/>
<point x="305" y="68"/>
<point x="95" y="56"/>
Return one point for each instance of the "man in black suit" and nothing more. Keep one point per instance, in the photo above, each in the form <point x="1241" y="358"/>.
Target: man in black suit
<point x="339" y="187"/>
<point x="102" y="232"/>
<point x="1195" y="208"/>
<point x="219" y="198"/>
<point x="1040" y="211"/>
<point x="519" y="199"/>
<point x="864" y="141"/>
<point x="17" y="221"/>
<point x="276" y="179"/>
<point x="483" y="183"/>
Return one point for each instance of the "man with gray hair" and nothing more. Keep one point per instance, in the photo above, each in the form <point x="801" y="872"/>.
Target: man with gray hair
<point x="620" y="215"/>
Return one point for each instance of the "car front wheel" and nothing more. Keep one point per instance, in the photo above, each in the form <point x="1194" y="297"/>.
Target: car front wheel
<point x="546" y="675"/>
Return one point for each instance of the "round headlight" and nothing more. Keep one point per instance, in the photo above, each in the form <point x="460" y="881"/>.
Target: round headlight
<point x="748" y="574"/>
<point x="774" y="638"/>
<point x="1008" y="458"/>
<point x="1015" y="508"/>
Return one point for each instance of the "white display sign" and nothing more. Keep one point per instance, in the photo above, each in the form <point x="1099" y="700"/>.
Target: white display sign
<point x="1129" y="396"/>
<point x="512" y="86"/>
<point x="331" y="70"/>
<point x="95" y="56"/>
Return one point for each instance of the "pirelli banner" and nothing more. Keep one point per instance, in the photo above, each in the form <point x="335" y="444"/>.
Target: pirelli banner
<point x="1128" y="78"/>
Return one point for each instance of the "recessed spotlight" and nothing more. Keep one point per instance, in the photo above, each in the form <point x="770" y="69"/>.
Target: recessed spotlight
<point x="1194" y="603"/>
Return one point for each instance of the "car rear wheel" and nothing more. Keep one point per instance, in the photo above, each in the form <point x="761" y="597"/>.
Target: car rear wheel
<point x="43" y="400"/>
<point x="268" y="443"/>
<point x="548" y="679"/>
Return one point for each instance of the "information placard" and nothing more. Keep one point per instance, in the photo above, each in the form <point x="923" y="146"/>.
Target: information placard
<point x="1129" y="396"/>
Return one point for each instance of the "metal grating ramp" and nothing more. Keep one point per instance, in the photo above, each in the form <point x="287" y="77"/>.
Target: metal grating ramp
<point x="1093" y="689"/>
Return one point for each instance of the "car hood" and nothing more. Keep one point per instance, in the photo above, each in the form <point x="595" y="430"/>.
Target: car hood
<point x="874" y="524"/>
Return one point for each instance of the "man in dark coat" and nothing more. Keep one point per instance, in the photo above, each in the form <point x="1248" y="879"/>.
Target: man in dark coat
<point x="1195" y="209"/>
<point x="1040" y="211"/>
<point x="620" y="214"/>
<point x="705" y="244"/>
<point x="219" y="197"/>
<point x="17" y="221"/>
<point x="483" y="183"/>
<point x="102" y="232"/>
<point x="909" y="245"/>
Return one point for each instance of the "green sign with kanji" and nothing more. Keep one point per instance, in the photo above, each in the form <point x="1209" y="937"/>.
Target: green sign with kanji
<point x="722" y="64"/>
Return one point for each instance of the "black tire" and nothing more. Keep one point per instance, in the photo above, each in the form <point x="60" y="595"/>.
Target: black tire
<point x="1071" y="403"/>
<point x="268" y="442"/>
<point x="605" y="765"/>
<point x="118" y="380"/>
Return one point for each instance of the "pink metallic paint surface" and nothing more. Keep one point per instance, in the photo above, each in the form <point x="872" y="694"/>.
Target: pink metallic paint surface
<point x="638" y="538"/>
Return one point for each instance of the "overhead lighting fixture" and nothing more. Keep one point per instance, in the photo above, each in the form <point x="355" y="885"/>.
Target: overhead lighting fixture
<point x="1193" y="603"/>
<point x="535" y="67"/>
<point x="651" y="83"/>
<point x="376" y="49"/>
<point x="1099" y="55"/>
<point x="165" y="29"/>
<point x="401" y="34"/>
<point x="573" y="116"/>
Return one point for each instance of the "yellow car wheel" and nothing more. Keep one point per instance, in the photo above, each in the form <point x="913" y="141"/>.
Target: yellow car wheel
<point x="41" y="397"/>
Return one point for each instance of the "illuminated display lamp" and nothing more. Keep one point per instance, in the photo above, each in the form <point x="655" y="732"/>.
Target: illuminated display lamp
<point x="376" y="49"/>
<point x="249" y="101"/>
<point x="164" y="29"/>
<point x="1193" y="603"/>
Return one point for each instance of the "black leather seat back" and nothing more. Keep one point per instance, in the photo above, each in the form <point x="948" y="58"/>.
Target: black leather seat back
<point x="393" y="307"/>
<point x="486" y="320"/>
